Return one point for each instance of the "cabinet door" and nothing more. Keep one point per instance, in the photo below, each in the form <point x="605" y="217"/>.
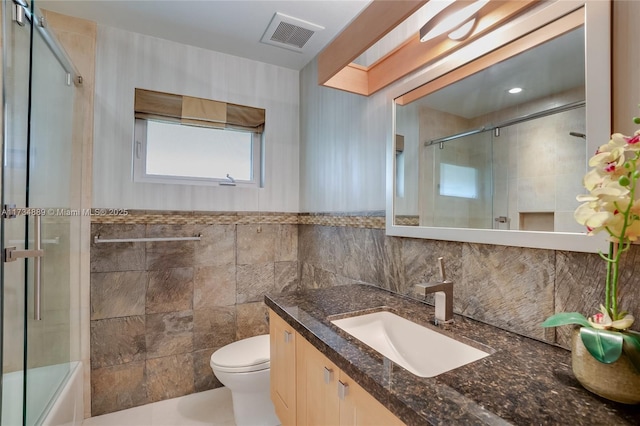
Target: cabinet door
<point x="357" y="407"/>
<point x="283" y="368"/>
<point x="317" y="393"/>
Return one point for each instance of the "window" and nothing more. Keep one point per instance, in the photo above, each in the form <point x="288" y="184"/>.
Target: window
<point x="182" y="154"/>
<point x="194" y="141"/>
<point x="458" y="181"/>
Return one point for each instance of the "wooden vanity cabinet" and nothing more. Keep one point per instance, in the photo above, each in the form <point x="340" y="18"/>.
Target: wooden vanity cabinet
<point x="359" y="408"/>
<point x="323" y="394"/>
<point x="282" y="339"/>
<point x="317" y="387"/>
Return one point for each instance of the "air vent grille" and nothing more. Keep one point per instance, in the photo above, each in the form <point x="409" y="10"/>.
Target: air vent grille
<point x="289" y="33"/>
<point x="292" y="34"/>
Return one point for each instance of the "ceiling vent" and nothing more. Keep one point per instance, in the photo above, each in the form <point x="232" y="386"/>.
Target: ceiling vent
<point x="289" y="33"/>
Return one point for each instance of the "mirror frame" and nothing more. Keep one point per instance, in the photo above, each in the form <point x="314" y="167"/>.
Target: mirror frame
<point x="598" y="120"/>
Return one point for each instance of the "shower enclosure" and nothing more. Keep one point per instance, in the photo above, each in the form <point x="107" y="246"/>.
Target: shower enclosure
<point x="520" y="174"/>
<point x="40" y="224"/>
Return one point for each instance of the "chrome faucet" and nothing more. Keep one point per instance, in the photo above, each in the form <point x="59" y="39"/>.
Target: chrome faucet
<point x="443" y="290"/>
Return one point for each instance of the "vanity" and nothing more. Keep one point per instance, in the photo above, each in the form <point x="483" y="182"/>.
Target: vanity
<point x="318" y="369"/>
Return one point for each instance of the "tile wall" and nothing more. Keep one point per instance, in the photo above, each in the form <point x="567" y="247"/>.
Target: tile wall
<point x="512" y="288"/>
<point x="160" y="309"/>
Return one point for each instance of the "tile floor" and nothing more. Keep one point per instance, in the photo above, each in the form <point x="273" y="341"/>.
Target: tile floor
<point x="211" y="408"/>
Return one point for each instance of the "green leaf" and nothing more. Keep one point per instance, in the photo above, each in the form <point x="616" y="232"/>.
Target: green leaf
<point x="631" y="348"/>
<point x="621" y="315"/>
<point x="603" y="345"/>
<point x="566" y="318"/>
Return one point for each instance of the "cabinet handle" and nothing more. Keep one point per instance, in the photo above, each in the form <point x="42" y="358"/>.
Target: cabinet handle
<point x="343" y="390"/>
<point x="328" y="375"/>
<point x="287" y="336"/>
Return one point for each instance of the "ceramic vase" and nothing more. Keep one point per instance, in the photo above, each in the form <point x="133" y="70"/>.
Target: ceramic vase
<point x="618" y="381"/>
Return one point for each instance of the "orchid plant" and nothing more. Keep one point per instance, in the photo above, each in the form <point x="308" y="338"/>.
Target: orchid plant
<point x="610" y="206"/>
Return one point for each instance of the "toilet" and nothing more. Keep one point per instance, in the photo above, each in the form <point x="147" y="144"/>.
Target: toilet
<point x="243" y="367"/>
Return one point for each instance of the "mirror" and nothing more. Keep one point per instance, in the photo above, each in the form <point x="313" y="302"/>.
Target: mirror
<point x="474" y="155"/>
<point x="471" y="161"/>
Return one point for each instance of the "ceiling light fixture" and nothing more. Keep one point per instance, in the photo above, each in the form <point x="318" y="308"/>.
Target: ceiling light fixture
<point x="459" y="23"/>
<point x="462" y="31"/>
<point x="515" y="90"/>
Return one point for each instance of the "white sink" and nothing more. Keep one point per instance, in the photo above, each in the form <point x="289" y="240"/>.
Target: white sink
<point x="422" y="351"/>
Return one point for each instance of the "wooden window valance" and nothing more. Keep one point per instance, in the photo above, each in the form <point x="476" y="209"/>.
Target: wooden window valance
<point x="152" y="105"/>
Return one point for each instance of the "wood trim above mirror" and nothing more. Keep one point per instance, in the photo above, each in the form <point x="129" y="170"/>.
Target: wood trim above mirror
<point x="380" y="17"/>
<point x="550" y="31"/>
<point x="371" y="25"/>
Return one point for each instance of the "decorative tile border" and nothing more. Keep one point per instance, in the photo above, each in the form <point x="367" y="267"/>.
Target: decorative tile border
<point x="407" y="220"/>
<point x="194" y="218"/>
<point x="375" y="220"/>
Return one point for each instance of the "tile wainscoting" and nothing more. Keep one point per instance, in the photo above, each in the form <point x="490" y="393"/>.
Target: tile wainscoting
<point x="512" y="288"/>
<point x="159" y="309"/>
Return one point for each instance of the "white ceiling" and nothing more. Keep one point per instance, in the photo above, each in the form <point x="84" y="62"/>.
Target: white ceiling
<point x="234" y="27"/>
<point x="550" y="68"/>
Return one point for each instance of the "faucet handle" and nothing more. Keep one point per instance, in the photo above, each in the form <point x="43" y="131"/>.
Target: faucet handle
<point x="443" y="277"/>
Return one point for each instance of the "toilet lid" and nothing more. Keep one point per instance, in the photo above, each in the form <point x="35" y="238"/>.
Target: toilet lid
<point x="251" y="354"/>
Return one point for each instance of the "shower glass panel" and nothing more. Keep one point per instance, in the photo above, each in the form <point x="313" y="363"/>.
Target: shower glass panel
<point x="522" y="176"/>
<point x="544" y="165"/>
<point x="50" y="186"/>
<point x="503" y="193"/>
<point x="460" y="193"/>
<point x="38" y="181"/>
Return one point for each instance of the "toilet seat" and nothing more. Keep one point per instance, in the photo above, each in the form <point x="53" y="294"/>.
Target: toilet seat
<point x="243" y="356"/>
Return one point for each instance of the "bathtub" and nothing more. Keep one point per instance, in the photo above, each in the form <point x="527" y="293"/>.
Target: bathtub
<point x="61" y="404"/>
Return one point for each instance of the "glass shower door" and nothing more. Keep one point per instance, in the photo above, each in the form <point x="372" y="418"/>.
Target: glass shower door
<point x="15" y="45"/>
<point x="504" y="149"/>
<point x="38" y="180"/>
<point x="459" y="192"/>
<point x="49" y="196"/>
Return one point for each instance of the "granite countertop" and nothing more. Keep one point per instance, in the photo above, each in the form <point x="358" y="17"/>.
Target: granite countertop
<point x="523" y="382"/>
